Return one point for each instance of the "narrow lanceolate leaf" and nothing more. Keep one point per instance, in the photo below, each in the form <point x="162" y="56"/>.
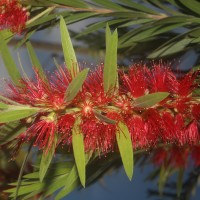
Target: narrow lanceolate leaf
<point x="34" y="59"/>
<point x="79" y="152"/>
<point x="9" y="62"/>
<point x="3" y="105"/>
<point x="110" y="75"/>
<point x="68" y="50"/>
<point x="10" y="131"/>
<point x="193" y="5"/>
<point x="125" y="148"/>
<point x="150" y="100"/>
<point x="47" y="158"/>
<point x="22" y="171"/>
<point x="70" y="180"/>
<point x="10" y="115"/>
<point x="180" y="181"/>
<point x="76" y="84"/>
<point x="164" y="173"/>
<point x="103" y="118"/>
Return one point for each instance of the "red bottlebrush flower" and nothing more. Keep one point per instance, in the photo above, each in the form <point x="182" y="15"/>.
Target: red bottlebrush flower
<point x="124" y="104"/>
<point x="138" y="131"/>
<point x="161" y="79"/>
<point x="185" y="134"/>
<point x="12" y="16"/>
<point x="192" y="133"/>
<point x="92" y="95"/>
<point x="196" y="111"/>
<point x="43" y="132"/>
<point x="135" y="81"/>
<point x="64" y="125"/>
<point x="41" y="93"/>
<point x="168" y="128"/>
<point x="148" y="126"/>
<point x="100" y="136"/>
<point x="93" y="89"/>
<point x="49" y="96"/>
<point x="154" y="125"/>
<point x="187" y="84"/>
<point x="179" y="130"/>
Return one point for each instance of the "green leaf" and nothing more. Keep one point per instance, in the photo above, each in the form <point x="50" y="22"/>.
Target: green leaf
<point x="25" y="189"/>
<point x="74" y="3"/>
<point x="9" y="101"/>
<point x="9" y="62"/>
<point x="47" y="18"/>
<point x="6" y="35"/>
<point x="76" y="84"/>
<point x="55" y="169"/>
<point x="180" y="181"/>
<point x="71" y="182"/>
<point x="3" y="105"/>
<point x="68" y="50"/>
<point x="34" y="59"/>
<point x="164" y="173"/>
<point x="171" y="48"/>
<point x="47" y="157"/>
<point x="22" y="170"/>
<point x="125" y="148"/>
<point x="139" y="21"/>
<point x="37" y="3"/>
<point x="79" y="151"/>
<point x="98" y="25"/>
<point x="18" y="113"/>
<point x="103" y="118"/>
<point x="110" y="75"/>
<point x="141" y="33"/>
<point x="138" y="6"/>
<point x="25" y="39"/>
<point x="10" y="131"/>
<point x="150" y="100"/>
<point x="79" y="16"/>
<point x="193" y="5"/>
<point x="110" y="5"/>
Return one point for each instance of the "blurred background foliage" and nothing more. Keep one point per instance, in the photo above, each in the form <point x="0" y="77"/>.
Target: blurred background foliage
<point x="152" y="29"/>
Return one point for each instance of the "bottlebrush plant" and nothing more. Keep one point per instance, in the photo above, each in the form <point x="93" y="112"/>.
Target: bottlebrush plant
<point x="94" y="118"/>
<point x="13" y="16"/>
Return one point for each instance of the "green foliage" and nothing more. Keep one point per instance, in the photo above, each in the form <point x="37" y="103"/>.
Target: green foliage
<point x="75" y="86"/>
<point x="150" y="100"/>
<point x="47" y="157"/>
<point x="15" y="113"/>
<point x="103" y="118"/>
<point x="156" y="20"/>
<point x="8" y="61"/>
<point x="110" y="74"/>
<point x="125" y="148"/>
<point x="180" y="181"/>
<point x="68" y="50"/>
<point x="10" y="131"/>
<point x="3" y="105"/>
<point x="34" y="59"/>
<point x="79" y="151"/>
<point x="70" y="184"/>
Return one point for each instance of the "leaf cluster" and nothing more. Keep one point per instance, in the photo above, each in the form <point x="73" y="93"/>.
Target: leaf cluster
<point x="173" y="24"/>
